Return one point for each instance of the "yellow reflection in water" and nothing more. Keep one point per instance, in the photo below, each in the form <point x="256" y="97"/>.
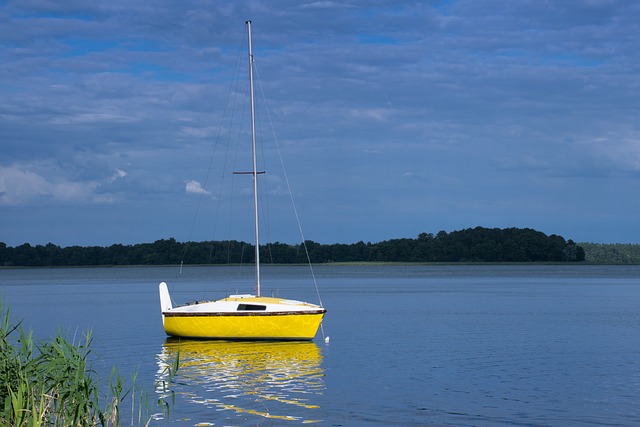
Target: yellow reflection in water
<point x="277" y="380"/>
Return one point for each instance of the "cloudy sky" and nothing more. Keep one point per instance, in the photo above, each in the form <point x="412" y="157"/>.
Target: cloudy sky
<point x="393" y="118"/>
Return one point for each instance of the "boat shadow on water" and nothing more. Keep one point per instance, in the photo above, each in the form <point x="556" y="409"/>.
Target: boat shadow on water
<point x="242" y="380"/>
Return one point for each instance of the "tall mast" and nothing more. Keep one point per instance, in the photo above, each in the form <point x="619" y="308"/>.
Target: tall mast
<point x="255" y="168"/>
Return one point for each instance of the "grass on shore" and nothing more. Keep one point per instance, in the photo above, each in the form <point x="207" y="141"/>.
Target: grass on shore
<point x="52" y="384"/>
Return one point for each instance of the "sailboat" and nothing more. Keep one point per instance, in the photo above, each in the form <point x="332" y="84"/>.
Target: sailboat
<point x="243" y="316"/>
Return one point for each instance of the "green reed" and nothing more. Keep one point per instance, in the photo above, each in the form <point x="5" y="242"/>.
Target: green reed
<point x="52" y="384"/>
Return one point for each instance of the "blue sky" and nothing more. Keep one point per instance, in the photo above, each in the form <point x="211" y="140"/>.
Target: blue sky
<point x="394" y="118"/>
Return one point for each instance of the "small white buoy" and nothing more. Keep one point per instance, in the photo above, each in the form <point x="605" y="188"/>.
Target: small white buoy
<point x="326" y="340"/>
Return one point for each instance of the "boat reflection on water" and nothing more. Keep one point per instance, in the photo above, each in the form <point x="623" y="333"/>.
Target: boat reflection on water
<point x="276" y="380"/>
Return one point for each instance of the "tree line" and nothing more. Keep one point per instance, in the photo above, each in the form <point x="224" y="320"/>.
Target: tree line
<point x="470" y="245"/>
<point x="611" y="253"/>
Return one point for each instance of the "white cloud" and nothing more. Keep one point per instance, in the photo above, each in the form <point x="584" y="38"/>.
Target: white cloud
<point x="473" y="102"/>
<point x="45" y="182"/>
<point x="378" y="114"/>
<point x="326" y="5"/>
<point x="622" y="152"/>
<point x="119" y="173"/>
<point x="194" y="187"/>
<point x="201" y="132"/>
<point x="91" y="118"/>
<point x="19" y="186"/>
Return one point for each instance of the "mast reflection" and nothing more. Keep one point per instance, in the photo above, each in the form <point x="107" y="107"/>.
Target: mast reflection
<point x="277" y="380"/>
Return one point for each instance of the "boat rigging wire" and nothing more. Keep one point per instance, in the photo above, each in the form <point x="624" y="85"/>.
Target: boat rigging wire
<point x="286" y="179"/>
<point x="228" y="114"/>
<point x="229" y="108"/>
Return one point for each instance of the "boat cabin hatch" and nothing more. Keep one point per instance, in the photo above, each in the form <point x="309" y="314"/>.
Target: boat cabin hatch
<point x="251" y="307"/>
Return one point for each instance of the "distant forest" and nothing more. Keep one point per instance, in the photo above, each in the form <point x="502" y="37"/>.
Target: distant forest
<point x="470" y="245"/>
<point x="616" y="253"/>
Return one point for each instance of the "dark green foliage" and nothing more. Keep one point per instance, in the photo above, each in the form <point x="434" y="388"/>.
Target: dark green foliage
<point x="614" y="253"/>
<point x="161" y="252"/>
<point x="470" y="245"/>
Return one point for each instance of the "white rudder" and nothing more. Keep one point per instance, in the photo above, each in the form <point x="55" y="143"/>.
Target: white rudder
<point x="165" y="299"/>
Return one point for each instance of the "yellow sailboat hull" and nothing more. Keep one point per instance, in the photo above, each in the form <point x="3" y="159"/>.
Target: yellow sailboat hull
<point x="244" y="326"/>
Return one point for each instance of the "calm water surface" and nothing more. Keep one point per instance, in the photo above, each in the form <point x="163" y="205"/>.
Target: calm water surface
<point x="409" y="345"/>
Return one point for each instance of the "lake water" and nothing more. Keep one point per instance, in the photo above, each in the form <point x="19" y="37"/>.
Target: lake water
<point x="409" y="345"/>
